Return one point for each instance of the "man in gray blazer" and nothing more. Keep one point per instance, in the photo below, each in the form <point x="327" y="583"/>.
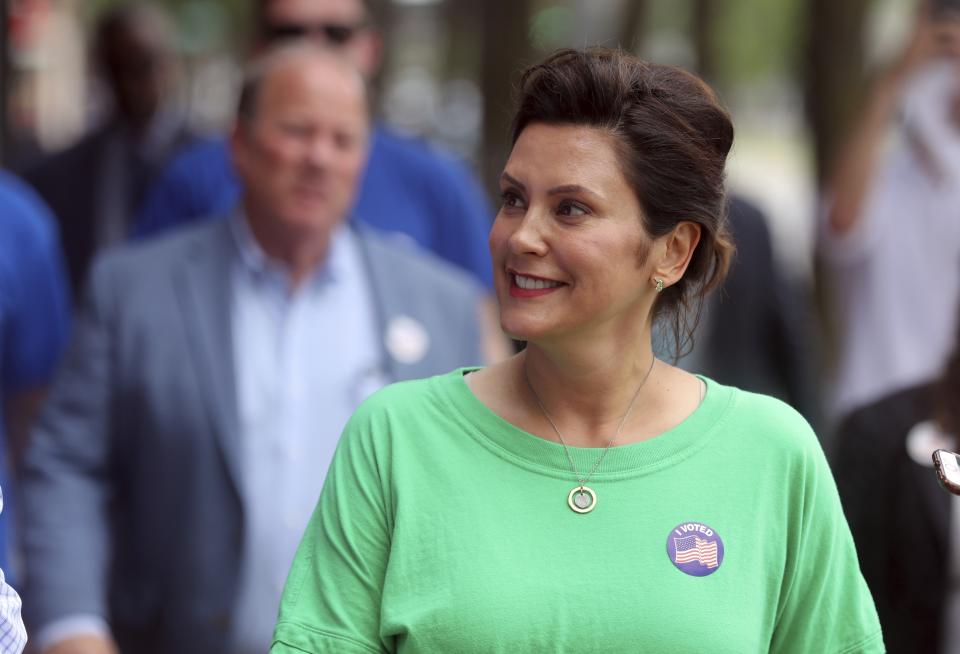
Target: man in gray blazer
<point x="187" y="436"/>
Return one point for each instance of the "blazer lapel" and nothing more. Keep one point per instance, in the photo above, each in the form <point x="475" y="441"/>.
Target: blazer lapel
<point x="404" y="317"/>
<point x="383" y="302"/>
<point x="205" y="289"/>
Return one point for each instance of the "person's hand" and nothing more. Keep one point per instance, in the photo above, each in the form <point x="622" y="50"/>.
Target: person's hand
<point x="83" y="645"/>
<point x="935" y="35"/>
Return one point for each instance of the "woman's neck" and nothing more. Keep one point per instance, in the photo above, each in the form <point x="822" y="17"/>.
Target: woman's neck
<point x="587" y="390"/>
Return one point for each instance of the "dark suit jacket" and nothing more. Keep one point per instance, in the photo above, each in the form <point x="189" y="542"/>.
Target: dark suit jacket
<point x="70" y="181"/>
<point x="131" y="502"/>
<point x="899" y="517"/>
<point x="758" y="336"/>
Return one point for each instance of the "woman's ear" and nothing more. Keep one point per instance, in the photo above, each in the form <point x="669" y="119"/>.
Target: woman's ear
<point x="676" y="250"/>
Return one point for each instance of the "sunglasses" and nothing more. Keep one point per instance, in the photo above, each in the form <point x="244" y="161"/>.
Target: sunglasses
<point x="334" y="33"/>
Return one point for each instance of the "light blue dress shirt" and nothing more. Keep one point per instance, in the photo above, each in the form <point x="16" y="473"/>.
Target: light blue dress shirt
<point x="304" y="359"/>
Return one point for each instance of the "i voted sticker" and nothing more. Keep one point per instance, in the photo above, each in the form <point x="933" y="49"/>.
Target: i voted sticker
<point x="695" y="549"/>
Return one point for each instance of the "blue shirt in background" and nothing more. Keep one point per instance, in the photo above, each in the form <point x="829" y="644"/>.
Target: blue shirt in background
<point x="34" y="308"/>
<point x="406" y="188"/>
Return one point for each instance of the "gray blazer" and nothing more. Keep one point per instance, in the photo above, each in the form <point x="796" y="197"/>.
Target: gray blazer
<point x="130" y="492"/>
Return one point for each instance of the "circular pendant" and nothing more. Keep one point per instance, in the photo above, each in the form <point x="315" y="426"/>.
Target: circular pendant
<point x="582" y="499"/>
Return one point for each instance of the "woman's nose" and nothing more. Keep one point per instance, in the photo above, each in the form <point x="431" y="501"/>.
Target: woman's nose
<point x="529" y="237"/>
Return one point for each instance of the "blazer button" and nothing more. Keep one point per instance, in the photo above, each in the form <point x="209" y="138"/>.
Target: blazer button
<point x="222" y="622"/>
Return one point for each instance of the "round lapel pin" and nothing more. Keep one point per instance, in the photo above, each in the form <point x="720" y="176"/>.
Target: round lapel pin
<point x="695" y="549"/>
<point x="406" y="339"/>
<point x="924" y="438"/>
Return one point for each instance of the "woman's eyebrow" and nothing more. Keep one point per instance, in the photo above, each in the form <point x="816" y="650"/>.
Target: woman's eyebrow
<point x="556" y="190"/>
<point x="572" y="188"/>
<point x="513" y="181"/>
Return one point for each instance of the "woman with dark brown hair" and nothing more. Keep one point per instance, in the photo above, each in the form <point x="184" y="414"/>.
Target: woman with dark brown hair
<point x="583" y="495"/>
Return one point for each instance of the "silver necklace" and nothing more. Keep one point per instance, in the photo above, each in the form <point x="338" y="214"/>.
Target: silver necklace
<point x="582" y="498"/>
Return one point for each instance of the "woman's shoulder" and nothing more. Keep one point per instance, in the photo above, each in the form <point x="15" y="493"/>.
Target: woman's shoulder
<point x="765" y="407"/>
<point x="767" y="419"/>
<point x="401" y="393"/>
<point x="412" y="398"/>
<point x="406" y="416"/>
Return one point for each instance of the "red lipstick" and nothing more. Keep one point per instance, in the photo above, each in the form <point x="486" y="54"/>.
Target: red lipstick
<point x="517" y="291"/>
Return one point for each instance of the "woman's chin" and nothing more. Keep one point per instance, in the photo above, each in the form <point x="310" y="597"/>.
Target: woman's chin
<point x="523" y="330"/>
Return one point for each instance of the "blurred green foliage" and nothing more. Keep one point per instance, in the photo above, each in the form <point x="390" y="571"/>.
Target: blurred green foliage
<point x="757" y="39"/>
<point x="551" y="27"/>
<point x="750" y="39"/>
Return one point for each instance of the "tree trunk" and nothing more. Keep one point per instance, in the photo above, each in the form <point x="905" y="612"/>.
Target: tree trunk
<point x="463" y="43"/>
<point x="704" y="43"/>
<point x="834" y="81"/>
<point x="632" y="25"/>
<point x="834" y="74"/>
<point x="506" y="52"/>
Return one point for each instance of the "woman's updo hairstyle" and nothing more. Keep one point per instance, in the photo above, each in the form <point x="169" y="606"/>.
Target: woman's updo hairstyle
<point x="672" y="138"/>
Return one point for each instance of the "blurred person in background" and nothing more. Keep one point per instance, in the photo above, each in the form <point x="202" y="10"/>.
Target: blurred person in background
<point x="96" y="186"/>
<point x="34" y="307"/>
<point x="907" y="529"/>
<point x="13" y="633"/>
<point x="407" y="187"/>
<point x="187" y="437"/>
<point x="890" y="239"/>
<point x="752" y="333"/>
<point x="34" y="323"/>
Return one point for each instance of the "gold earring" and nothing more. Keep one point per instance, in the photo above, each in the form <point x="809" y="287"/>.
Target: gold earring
<point x="659" y="283"/>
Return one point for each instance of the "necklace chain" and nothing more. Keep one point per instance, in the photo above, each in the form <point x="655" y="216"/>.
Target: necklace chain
<point x="582" y="480"/>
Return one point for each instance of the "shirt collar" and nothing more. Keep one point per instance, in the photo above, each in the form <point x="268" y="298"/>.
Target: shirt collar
<point x="259" y="264"/>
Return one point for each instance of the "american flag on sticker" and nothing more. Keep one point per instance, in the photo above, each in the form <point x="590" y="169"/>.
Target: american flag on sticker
<point x="691" y="548"/>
